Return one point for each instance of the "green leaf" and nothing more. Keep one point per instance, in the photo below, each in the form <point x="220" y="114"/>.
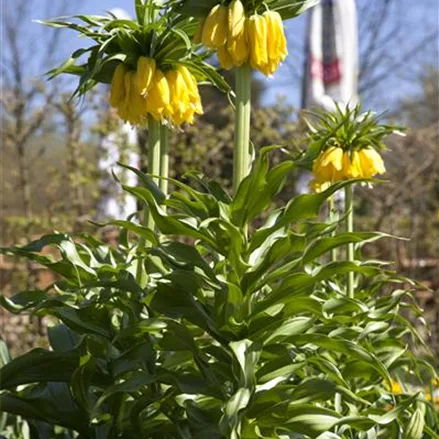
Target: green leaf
<point x="325" y="244"/>
<point x="38" y="365"/>
<point x="51" y="403"/>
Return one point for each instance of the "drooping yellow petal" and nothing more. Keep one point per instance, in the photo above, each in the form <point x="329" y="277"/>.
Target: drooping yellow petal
<point x="215" y="28"/>
<point x="353" y="170"/>
<point x="180" y="100"/>
<point x="117" y="92"/>
<point x="192" y="88"/>
<point x="328" y="167"/>
<point x="225" y="60"/>
<point x="137" y="102"/>
<point x="276" y="40"/>
<point x="371" y="162"/>
<point x="238" y="48"/>
<point x="333" y="156"/>
<point x="158" y="100"/>
<point x="125" y="107"/>
<point x="145" y="73"/>
<point x="256" y="28"/>
<point x="236" y="19"/>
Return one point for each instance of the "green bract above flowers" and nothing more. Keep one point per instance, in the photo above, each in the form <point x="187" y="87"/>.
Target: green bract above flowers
<point x="240" y="37"/>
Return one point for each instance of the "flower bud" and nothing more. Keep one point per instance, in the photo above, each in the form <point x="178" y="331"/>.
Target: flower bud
<point x="117" y="93"/>
<point x="215" y="28"/>
<point x="145" y="73"/>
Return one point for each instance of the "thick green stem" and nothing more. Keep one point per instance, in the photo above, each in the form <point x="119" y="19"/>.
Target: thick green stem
<point x="153" y="169"/>
<point x="153" y="158"/>
<point x="164" y="158"/>
<point x="241" y="157"/>
<point x="349" y="211"/>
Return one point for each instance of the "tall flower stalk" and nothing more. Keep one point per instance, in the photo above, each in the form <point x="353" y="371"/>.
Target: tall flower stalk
<point x="154" y="158"/>
<point x="245" y="36"/>
<point x="241" y="158"/>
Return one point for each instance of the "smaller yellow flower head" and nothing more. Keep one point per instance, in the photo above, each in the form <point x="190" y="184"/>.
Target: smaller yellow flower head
<point x="215" y="27"/>
<point x="334" y="165"/>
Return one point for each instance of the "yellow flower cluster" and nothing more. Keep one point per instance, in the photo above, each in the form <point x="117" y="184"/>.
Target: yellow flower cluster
<point x="334" y="165"/>
<point x="172" y="96"/>
<point x="258" y="39"/>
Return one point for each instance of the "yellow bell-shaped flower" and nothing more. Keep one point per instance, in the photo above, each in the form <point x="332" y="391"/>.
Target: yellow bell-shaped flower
<point x="125" y="107"/>
<point x="237" y="46"/>
<point x="181" y="107"/>
<point x="215" y="28"/>
<point x="145" y="73"/>
<point x="158" y="100"/>
<point x="371" y="162"/>
<point x="192" y="88"/>
<point x="238" y="49"/>
<point x="352" y="165"/>
<point x="276" y="40"/>
<point x="256" y="27"/>
<point x="137" y="102"/>
<point x="329" y="165"/>
<point x="236" y="19"/>
<point x="117" y="91"/>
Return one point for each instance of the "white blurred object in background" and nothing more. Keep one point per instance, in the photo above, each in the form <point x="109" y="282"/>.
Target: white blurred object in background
<point x="332" y="55"/>
<point x="119" y="146"/>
